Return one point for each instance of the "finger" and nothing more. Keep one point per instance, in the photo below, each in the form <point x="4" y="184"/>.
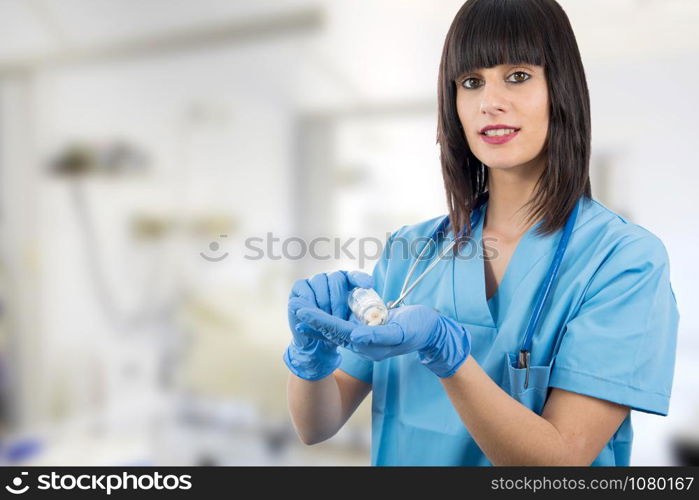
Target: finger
<point x="319" y="285"/>
<point x="322" y="321"/>
<point x="304" y="329"/>
<point x="296" y="303"/>
<point x="365" y="352"/>
<point x="301" y="288"/>
<point x="300" y="339"/>
<point x="360" y="279"/>
<point x="353" y="319"/>
<point x="335" y="329"/>
<point x="338" y="286"/>
<point x="371" y="352"/>
<point x="383" y="335"/>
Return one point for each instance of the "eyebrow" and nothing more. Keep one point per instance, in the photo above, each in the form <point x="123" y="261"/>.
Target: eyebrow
<point x="508" y="67"/>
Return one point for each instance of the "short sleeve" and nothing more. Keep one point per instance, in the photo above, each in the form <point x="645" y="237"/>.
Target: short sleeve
<point x="620" y="347"/>
<point x="352" y="363"/>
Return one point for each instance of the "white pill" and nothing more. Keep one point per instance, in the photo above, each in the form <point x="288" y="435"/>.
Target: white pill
<point x="367" y="306"/>
<point x="374" y="316"/>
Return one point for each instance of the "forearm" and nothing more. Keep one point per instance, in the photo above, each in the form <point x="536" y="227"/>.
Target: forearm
<point x="315" y="408"/>
<point x="507" y="432"/>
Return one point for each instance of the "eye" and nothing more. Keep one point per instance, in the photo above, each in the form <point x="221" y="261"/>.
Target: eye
<point x="528" y="76"/>
<point x="463" y="83"/>
<point x="517" y="79"/>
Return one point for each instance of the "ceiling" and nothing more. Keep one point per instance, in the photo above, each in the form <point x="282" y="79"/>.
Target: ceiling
<point x="368" y="49"/>
<point x="33" y="27"/>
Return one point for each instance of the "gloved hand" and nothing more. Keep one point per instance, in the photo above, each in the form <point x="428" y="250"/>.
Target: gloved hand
<point x="310" y="355"/>
<point x="441" y="343"/>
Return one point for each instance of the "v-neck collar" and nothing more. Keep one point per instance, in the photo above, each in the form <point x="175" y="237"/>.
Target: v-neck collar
<point x="469" y="274"/>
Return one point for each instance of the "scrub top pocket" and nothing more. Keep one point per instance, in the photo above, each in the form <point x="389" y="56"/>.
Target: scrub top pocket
<point x="535" y="394"/>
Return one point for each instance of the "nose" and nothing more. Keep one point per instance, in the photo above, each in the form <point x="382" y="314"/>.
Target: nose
<point x="492" y="101"/>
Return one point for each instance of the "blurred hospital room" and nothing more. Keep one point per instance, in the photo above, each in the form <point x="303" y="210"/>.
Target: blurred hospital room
<point x="163" y="164"/>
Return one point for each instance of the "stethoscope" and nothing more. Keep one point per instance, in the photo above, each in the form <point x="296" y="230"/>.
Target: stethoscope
<point x="542" y="295"/>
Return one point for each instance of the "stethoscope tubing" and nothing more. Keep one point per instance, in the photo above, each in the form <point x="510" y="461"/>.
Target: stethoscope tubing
<point x="548" y="282"/>
<point x="542" y="294"/>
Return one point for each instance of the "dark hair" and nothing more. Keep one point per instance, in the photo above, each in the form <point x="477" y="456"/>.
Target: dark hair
<point x="486" y="33"/>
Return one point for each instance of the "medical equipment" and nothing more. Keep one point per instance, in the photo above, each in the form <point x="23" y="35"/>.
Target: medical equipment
<point x="542" y="295"/>
<point x="367" y="306"/>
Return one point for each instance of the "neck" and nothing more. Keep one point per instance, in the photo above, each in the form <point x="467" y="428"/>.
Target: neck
<point x="509" y="190"/>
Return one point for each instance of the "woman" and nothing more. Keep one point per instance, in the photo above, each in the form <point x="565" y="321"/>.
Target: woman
<point x="447" y="382"/>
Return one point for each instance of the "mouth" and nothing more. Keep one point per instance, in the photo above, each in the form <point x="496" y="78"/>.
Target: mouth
<point x="499" y="135"/>
<point x="498" y="130"/>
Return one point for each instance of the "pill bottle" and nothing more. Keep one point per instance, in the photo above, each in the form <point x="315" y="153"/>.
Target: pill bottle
<point x="367" y="306"/>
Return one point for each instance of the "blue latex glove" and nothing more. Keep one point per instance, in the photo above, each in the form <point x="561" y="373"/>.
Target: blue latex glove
<point x="310" y="355"/>
<point x="442" y="344"/>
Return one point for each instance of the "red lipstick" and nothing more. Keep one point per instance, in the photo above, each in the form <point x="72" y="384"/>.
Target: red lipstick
<point x="498" y="139"/>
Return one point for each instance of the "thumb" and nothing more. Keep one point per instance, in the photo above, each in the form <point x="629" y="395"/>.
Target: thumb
<point x="360" y="279"/>
<point x="335" y="329"/>
<point x="384" y="335"/>
<point x="304" y="329"/>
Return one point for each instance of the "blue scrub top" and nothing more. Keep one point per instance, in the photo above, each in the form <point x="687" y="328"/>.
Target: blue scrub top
<point x="608" y="331"/>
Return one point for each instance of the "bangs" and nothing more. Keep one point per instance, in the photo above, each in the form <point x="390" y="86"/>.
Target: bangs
<point x="487" y="33"/>
<point x="493" y="33"/>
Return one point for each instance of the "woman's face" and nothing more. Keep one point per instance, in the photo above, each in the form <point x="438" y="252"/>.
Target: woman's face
<point x="511" y="95"/>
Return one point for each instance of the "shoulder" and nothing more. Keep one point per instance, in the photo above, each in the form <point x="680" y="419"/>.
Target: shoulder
<point x="613" y="250"/>
<point x="607" y="233"/>
<point x="422" y="229"/>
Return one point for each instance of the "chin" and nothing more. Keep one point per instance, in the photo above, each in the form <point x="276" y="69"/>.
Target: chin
<point x="502" y="162"/>
<point x="503" y="165"/>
